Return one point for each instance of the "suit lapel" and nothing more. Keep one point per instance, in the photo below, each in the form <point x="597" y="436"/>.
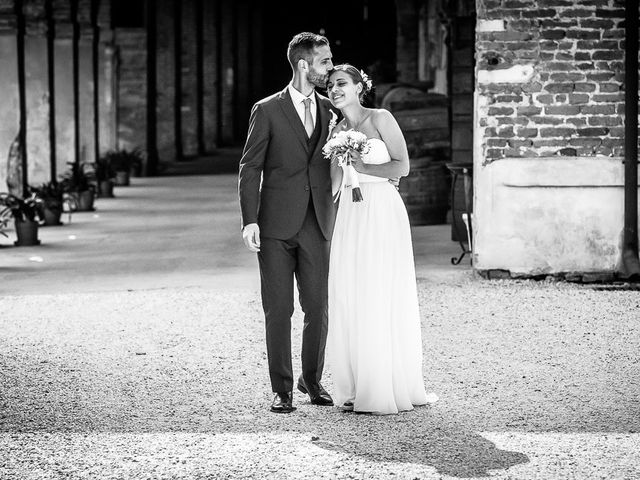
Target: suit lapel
<point x="294" y="120"/>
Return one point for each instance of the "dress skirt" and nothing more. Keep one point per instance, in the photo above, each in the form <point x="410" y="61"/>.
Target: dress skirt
<point x="374" y="341"/>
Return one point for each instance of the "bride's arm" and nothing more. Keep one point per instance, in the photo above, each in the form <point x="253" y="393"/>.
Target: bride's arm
<point x="392" y="136"/>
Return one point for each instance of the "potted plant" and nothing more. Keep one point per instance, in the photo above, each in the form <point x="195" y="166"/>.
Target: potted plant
<point x="79" y="182"/>
<point x="105" y="175"/>
<point x="123" y="163"/>
<point x="50" y="207"/>
<point x="24" y="212"/>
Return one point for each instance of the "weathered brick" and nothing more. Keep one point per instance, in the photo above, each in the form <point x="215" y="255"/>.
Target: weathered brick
<point x="527" y="132"/>
<point x="561" y="98"/>
<point x="584" y="87"/>
<point x="508" y="98"/>
<point x="607" y="13"/>
<point x="520" y="152"/>
<point x="593" y="132"/>
<point x="608" y="97"/>
<point x="559" y="87"/>
<point x="490" y="132"/>
<point x="511" y="121"/>
<point x="576" y="121"/>
<point x="539" y="13"/>
<point x="613" y="33"/>
<point x="598" y="109"/>
<point x="576" y="12"/>
<point x="523" y="25"/>
<point x="560" y="66"/>
<point x="606" y="121"/>
<point x="493" y="111"/>
<point x="545" y="99"/>
<point x="505" y="132"/>
<point x="548" y="45"/>
<point x="556" y="3"/>
<point x="616" y="131"/>
<point x="546" y="120"/>
<point x="528" y="110"/>
<point x="602" y="150"/>
<point x="597" y="45"/>
<point x="496" y="142"/>
<point x="557" y="132"/>
<point x="585" y="66"/>
<point x="524" y="4"/>
<point x="609" y="87"/>
<point x="567" y="77"/>
<point x="584" y="34"/>
<point x="520" y="143"/>
<point x="607" y="55"/>
<point x="531" y="87"/>
<point x="598" y="23"/>
<point x="553" y="34"/>
<point x="547" y="142"/>
<point x="582" y="56"/>
<point x="585" y="142"/>
<point x="554" y="23"/>
<point x="576" y="98"/>
<point x="562" y="110"/>
<point x="494" y="153"/>
<point x="600" y="76"/>
<point x="547" y="56"/>
<point x="564" y="56"/>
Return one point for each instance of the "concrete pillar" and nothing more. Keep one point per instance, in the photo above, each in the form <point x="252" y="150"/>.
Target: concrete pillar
<point x="9" y="106"/>
<point x="165" y="80"/>
<point x="189" y="57"/>
<point x="228" y="73"/>
<point x="407" y="44"/>
<point x="86" y="84"/>
<point x="63" y="80"/>
<point x="211" y="84"/>
<point x="106" y="81"/>
<point x="244" y="65"/>
<point x="37" y="94"/>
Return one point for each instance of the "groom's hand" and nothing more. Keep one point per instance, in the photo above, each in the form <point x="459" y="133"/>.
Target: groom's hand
<point x="395" y="182"/>
<point x="251" y="236"/>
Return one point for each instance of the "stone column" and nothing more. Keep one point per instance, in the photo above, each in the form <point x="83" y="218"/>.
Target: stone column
<point x="63" y="93"/>
<point x="37" y="93"/>
<point x="407" y="44"/>
<point x="211" y="84"/>
<point x="166" y="80"/>
<point x="228" y="73"/>
<point x="189" y="57"/>
<point x="106" y="81"/>
<point x="86" y="83"/>
<point x="9" y="107"/>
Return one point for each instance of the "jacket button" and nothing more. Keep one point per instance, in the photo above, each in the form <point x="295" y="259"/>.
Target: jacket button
<point x="306" y="188"/>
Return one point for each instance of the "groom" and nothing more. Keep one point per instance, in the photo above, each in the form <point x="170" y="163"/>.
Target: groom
<point x="288" y="215"/>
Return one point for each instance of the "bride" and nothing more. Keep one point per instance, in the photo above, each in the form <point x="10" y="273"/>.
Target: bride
<point x="374" y="340"/>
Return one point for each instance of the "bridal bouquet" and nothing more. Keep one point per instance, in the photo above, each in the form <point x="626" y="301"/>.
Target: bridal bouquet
<point x="338" y="148"/>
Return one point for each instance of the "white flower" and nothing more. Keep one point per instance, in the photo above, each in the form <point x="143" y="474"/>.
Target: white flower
<point x="367" y="81"/>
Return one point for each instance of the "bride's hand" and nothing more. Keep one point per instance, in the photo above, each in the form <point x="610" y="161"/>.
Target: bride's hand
<point x="356" y="161"/>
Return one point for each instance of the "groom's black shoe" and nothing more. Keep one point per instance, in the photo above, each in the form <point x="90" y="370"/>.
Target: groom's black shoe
<point x="317" y="394"/>
<point x="283" y="403"/>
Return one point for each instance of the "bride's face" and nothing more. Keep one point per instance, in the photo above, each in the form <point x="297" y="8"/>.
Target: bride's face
<point x="342" y="90"/>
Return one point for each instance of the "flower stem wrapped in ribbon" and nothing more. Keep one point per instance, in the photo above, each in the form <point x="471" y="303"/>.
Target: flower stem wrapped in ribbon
<point x="338" y="148"/>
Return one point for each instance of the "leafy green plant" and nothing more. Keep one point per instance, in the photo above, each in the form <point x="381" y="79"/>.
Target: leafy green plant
<point x="104" y="169"/>
<point x="125" y="160"/>
<point x="21" y="209"/>
<point x="79" y="178"/>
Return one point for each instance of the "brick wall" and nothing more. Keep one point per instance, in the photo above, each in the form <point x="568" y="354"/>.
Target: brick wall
<point x="550" y="78"/>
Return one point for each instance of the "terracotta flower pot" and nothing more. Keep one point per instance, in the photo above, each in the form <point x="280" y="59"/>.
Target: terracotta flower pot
<point x="105" y="189"/>
<point x="52" y="216"/>
<point x="122" y="178"/>
<point x="84" y="200"/>
<point x="27" y="233"/>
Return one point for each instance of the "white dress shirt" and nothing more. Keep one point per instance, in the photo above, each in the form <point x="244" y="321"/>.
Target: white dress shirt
<point x="298" y="102"/>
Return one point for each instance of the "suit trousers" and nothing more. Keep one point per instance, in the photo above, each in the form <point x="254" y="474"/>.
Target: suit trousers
<point x="305" y="256"/>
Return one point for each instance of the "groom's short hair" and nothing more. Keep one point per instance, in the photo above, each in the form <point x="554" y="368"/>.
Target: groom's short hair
<point x="301" y="47"/>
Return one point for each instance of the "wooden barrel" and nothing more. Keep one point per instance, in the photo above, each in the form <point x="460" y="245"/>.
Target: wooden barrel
<point x="425" y="191"/>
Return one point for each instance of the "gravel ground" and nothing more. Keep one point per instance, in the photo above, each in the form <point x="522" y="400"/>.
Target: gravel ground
<point x="536" y="380"/>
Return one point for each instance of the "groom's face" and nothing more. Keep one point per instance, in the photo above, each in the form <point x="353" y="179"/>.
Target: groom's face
<point x="320" y="66"/>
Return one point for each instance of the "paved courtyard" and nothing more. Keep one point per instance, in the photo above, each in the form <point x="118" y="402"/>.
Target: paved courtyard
<point x="132" y="346"/>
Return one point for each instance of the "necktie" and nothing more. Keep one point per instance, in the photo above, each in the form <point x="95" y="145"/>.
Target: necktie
<point x="308" y="119"/>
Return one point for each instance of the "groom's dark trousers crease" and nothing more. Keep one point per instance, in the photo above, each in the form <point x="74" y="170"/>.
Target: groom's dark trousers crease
<point x="306" y="255"/>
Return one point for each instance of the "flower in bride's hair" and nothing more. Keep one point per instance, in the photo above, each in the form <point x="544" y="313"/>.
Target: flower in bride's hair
<point x="366" y="80"/>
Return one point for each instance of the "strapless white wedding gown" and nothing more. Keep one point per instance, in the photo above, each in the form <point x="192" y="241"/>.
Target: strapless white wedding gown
<point x="374" y="346"/>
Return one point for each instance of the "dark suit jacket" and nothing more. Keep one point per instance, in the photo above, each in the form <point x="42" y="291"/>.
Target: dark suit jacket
<point x="278" y="170"/>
